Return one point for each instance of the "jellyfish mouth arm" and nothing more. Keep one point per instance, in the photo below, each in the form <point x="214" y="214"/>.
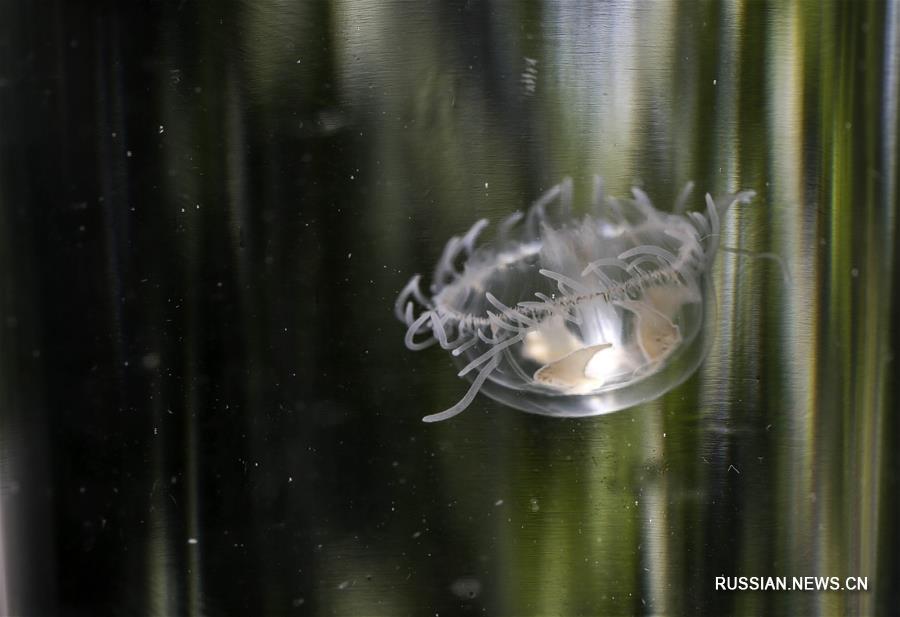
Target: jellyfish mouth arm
<point x="466" y="400"/>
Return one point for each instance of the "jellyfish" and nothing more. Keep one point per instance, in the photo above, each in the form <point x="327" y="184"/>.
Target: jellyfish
<point x="571" y="316"/>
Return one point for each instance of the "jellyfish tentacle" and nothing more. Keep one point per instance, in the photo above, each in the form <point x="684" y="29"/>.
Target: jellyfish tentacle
<point x="450" y="322"/>
<point x="566" y="309"/>
<point x="648" y="249"/>
<point x="597" y="197"/>
<point x="437" y="326"/>
<point x="633" y="265"/>
<point x="700" y="222"/>
<point x="565" y="198"/>
<point x="445" y="270"/>
<point x="484" y="337"/>
<point x="468" y="241"/>
<point x="600" y="274"/>
<point x="490" y="353"/>
<point x="562" y="279"/>
<point x="713" y="215"/>
<point x="530" y="305"/>
<point x="408" y="317"/>
<point x="505" y="227"/>
<point x="516" y="367"/>
<point x="681" y="201"/>
<point x="712" y="221"/>
<point x="643" y="204"/>
<point x="606" y="262"/>
<point x="537" y="213"/>
<point x="509" y="313"/>
<point x="785" y="273"/>
<point x="498" y="322"/>
<point x="466" y="400"/>
<point x="410" y="289"/>
<point x="465" y="346"/>
<point x="552" y="307"/>
<point x="414" y="329"/>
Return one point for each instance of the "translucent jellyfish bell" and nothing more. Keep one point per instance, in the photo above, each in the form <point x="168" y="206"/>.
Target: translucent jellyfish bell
<point x="569" y="317"/>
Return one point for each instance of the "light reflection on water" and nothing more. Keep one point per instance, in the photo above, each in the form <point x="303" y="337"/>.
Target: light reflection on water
<point x="313" y="158"/>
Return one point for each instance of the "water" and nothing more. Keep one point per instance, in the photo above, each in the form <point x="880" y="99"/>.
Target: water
<point x="206" y="212"/>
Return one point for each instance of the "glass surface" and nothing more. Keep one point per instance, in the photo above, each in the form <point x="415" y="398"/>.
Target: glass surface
<point x="208" y="209"/>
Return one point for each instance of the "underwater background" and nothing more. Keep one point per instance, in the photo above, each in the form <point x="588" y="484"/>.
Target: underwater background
<point x="207" y="210"/>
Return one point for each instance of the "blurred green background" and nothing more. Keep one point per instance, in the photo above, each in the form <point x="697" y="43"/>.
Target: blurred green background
<point x="206" y="212"/>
